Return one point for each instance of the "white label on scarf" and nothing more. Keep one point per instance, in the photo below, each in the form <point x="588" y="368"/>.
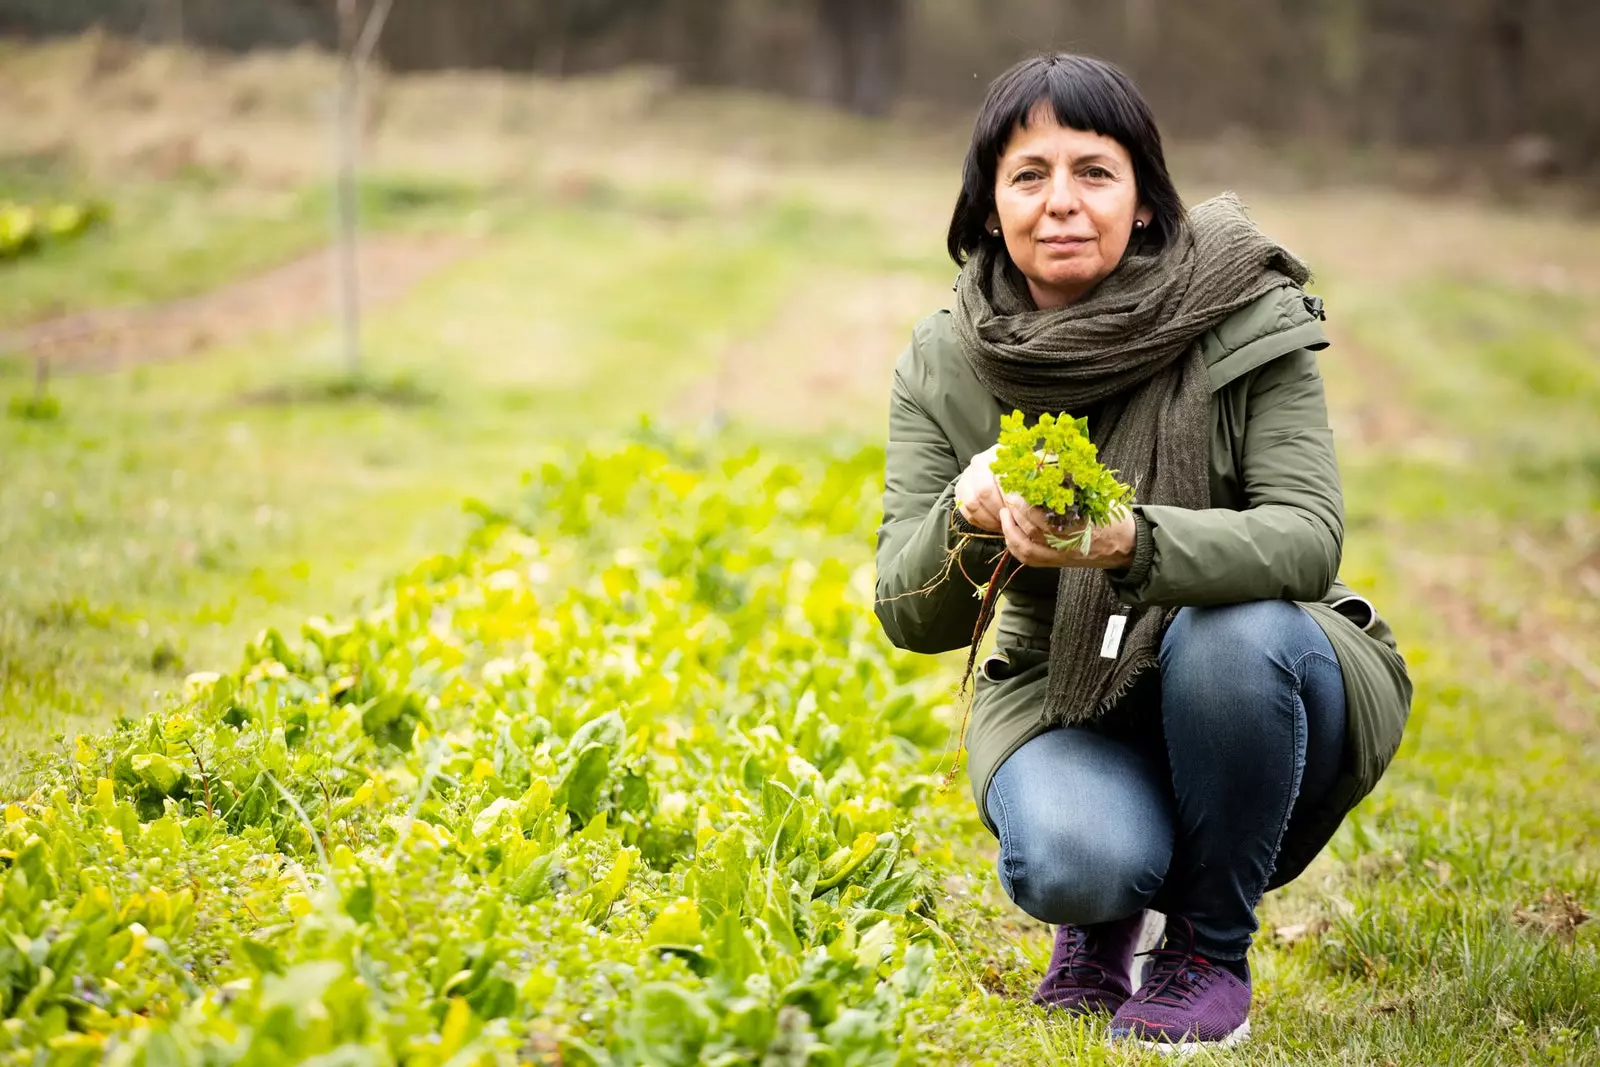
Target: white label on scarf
<point x="1113" y="639"/>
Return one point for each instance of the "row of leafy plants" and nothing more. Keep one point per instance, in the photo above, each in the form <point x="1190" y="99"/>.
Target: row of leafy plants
<point x="28" y="228"/>
<point x="625" y="780"/>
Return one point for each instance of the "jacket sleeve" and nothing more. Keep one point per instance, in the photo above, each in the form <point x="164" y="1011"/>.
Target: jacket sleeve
<point x="1286" y="543"/>
<point x="924" y="604"/>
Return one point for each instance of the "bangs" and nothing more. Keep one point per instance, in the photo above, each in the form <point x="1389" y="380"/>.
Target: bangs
<point x="1083" y="98"/>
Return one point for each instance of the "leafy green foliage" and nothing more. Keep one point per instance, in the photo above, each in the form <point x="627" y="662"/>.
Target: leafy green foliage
<point x="25" y="228"/>
<point x="626" y="780"/>
<point x="34" y="408"/>
<point x="1053" y="465"/>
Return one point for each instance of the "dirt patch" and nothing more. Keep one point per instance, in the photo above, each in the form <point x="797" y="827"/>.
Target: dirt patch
<point x="824" y="361"/>
<point x="1557" y="914"/>
<point x="286" y="298"/>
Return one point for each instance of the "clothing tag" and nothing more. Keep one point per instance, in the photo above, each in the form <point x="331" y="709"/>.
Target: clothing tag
<point x="1113" y="639"/>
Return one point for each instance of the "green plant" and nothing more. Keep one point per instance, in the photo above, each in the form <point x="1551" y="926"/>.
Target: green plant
<point x="567" y="795"/>
<point x="1053" y="465"/>
<point x="25" y="228"/>
<point x="34" y="408"/>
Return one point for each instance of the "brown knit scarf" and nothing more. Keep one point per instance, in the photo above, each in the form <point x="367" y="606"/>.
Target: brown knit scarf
<point x="1129" y="345"/>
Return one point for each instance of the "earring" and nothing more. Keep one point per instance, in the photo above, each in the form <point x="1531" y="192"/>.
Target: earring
<point x="995" y="232"/>
<point x="1138" y="225"/>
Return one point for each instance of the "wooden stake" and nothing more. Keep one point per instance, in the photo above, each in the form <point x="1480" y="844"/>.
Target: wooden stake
<point x="358" y="47"/>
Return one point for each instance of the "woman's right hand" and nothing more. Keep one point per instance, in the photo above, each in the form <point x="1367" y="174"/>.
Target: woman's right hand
<point x="978" y="495"/>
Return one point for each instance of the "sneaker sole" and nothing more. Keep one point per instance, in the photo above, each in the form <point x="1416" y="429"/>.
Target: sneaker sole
<point x="1189" y="1048"/>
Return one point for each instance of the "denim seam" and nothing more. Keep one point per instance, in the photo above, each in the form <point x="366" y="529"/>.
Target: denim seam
<point x="1003" y="824"/>
<point x="1300" y="728"/>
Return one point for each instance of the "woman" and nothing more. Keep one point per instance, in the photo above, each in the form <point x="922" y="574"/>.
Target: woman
<point x="1178" y="717"/>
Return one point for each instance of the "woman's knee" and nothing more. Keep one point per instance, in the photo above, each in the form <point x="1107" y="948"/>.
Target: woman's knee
<point x="1073" y="880"/>
<point x="1221" y="656"/>
<point x="1064" y="869"/>
<point x="1085" y="826"/>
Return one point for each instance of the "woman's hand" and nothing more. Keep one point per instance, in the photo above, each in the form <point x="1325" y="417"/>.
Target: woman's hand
<point x="1027" y="532"/>
<point x="978" y="495"/>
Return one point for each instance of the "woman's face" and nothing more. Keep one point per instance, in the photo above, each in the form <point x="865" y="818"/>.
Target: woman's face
<point x="1065" y="201"/>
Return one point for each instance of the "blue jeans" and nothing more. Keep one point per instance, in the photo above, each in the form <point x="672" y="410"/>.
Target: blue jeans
<point x="1181" y="811"/>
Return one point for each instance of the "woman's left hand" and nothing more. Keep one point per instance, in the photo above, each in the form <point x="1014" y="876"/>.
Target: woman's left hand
<point x="1026" y="529"/>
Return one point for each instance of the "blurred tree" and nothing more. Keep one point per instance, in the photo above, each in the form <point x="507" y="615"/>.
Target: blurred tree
<point x="1507" y="72"/>
<point x="860" y="53"/>
<point x="703" y="39"/>
<point x="165" y="20"/>
<point x="1140" y="24"/>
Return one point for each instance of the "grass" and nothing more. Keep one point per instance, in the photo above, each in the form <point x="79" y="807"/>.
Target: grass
<point x="171" y="511"/>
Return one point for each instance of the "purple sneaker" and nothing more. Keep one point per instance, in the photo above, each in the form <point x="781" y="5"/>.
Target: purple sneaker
<point x="1186" y="1003"/>
<point x="1089" y="967"/>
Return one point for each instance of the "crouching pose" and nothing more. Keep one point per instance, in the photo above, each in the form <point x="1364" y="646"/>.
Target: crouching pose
<point x="1178" y="716"/>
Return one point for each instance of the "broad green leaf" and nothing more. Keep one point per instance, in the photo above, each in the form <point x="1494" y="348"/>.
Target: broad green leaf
<point x="486" y="819"/>
<point x="360" y="901"/>
<point x="678" y="924"/>
<point x="916" y="971"/>
<point x="669" y="1025"/>
<point x="735" y="955"/>
<point x="610" y="887"/>
<point x="893" y="895"/>
<point x="263" y="958"/>
<point x="159" y="773"/>
<point x="579" y="791"/>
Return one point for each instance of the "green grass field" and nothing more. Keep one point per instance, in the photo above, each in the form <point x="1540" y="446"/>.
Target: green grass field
<point x="174" y="510"/>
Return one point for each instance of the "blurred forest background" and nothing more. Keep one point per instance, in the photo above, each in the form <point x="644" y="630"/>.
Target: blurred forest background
<point x="1509" y="84"/>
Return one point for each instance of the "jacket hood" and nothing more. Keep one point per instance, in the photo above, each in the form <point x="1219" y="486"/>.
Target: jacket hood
<point x="1272" y="325"/>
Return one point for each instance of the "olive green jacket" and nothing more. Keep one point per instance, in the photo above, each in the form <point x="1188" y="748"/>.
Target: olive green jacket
<point x="1274" y="531"/>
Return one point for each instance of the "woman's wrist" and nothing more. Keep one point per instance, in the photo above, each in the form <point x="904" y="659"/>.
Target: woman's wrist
<point x="1137" y="568"/>
<point x="1125" y="542"/>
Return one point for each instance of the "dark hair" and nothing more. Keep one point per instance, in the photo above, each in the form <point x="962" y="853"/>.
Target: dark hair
<point x="1086" y="94"/>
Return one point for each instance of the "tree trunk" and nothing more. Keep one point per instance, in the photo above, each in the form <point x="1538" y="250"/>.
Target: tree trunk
<point x="1508" y="104"/>
<point x="556" y="55"/>
<point x="346" y="202"/>
<point x="860" y="53"/>
<point x="704" y="28"/>
<point x="1139" y="25"/>
<point x="1346" y="48"/>
<point x="831" y="56"/>
<point x="879" y="55"/>
<point x="162" y="21"/>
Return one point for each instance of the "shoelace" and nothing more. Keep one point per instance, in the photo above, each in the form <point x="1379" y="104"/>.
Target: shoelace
<point x="1177" y="977"/>
<point x="1087" y="971"/>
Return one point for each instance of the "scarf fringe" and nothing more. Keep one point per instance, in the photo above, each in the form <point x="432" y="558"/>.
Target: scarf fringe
<point x="1131" y="678"/>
